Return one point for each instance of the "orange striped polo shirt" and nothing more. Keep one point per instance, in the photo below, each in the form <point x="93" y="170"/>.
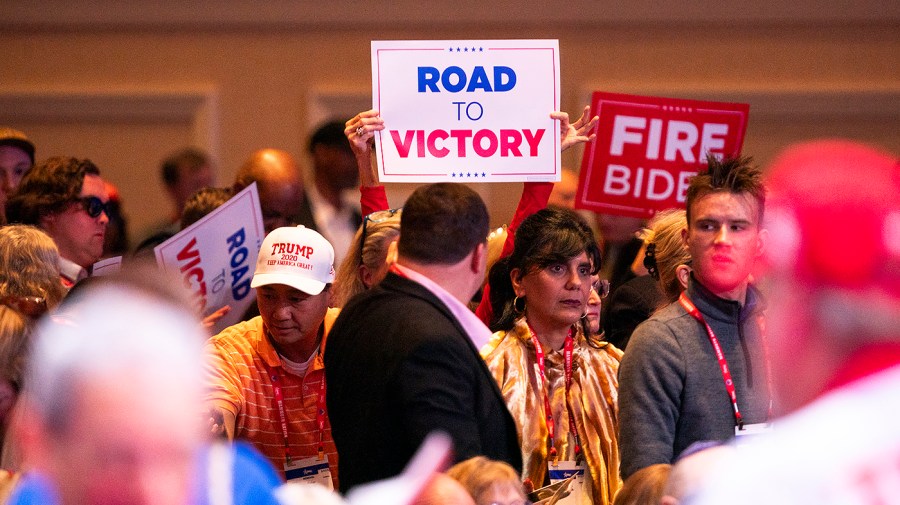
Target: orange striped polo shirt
<point x="240" y="361"/>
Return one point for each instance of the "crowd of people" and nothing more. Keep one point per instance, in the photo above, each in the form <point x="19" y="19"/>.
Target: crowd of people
<point x="742" y="349"/>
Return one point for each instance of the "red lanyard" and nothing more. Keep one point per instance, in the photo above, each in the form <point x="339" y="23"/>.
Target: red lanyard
<point x="723" y="363"/>
<point x="568" y="351"/>
<point x="282" y="414"/>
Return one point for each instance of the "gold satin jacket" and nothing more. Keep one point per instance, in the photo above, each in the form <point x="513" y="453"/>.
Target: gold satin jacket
<point x="593" y="397"/>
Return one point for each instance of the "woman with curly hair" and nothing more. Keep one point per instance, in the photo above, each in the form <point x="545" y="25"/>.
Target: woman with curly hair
<point x="29" y="286"/>
<point x="29" y="265"/>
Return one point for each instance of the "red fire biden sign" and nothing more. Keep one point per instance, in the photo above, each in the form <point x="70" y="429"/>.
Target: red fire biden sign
<point x="648" y="148"/>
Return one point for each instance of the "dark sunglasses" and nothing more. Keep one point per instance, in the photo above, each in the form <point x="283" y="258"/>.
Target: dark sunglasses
<point x="374" y="218"/>
<point x="31" y="306"/>
<point x="601" y="286"/>
<point x="94" y="206"/>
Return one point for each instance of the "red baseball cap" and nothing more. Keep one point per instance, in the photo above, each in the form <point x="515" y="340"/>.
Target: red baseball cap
<point x="833" y="215"/>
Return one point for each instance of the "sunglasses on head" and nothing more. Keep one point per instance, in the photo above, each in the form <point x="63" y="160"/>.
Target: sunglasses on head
<point x="94" y="206"/>
<point x="374" y="218"/>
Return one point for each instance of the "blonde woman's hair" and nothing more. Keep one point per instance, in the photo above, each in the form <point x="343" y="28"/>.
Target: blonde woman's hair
<point x="14" y="331"/>
<point x="480" y="474"/>
<point x="379" y="235"/>
<point x="644" y="487"/>
<point x="29" y="264"/>
<point x="664" y="231"/>
<point x="496" y="240"/>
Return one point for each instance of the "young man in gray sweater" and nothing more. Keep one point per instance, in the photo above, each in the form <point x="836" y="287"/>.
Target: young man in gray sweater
<point x="697" y="370"/>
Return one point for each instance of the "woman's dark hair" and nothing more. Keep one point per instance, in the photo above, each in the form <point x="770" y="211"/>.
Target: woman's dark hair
<point x="547" y="237"/>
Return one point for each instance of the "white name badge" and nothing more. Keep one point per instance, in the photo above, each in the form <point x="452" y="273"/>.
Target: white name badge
<point x="750" y="430"/>
<point x="562" y="470"/>
<point x="309" y="471"/>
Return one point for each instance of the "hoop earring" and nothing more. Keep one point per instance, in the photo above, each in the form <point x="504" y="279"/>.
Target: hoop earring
<point x="516" y="308"/>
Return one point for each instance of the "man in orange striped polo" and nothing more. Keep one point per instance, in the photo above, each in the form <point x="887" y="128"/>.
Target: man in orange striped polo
<point x="266" y="375"/>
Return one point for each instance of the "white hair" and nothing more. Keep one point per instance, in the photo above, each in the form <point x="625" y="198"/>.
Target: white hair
<point x="113" y="333"/>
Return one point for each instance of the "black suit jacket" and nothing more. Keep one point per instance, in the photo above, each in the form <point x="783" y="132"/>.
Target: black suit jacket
<point x="399" y="366"/>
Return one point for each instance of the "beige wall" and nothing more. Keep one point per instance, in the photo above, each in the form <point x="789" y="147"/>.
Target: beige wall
<point x="125" y="87"/>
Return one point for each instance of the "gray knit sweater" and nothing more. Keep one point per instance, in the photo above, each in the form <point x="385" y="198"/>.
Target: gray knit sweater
<point x="671" y="391"/>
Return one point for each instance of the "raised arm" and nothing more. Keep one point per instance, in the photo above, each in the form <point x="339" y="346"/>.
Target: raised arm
<point x="360" y="132"/>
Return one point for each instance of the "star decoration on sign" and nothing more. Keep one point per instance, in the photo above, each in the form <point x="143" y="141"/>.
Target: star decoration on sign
<point x="465" y="49"/>
<point x="469" y="175"/>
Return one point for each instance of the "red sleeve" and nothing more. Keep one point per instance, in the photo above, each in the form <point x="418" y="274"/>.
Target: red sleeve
<point x="372" y="199"/>
<point x="535" y="196"/>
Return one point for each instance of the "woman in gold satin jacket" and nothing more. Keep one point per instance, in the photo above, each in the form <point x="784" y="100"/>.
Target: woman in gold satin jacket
<point x="540" y="297"/>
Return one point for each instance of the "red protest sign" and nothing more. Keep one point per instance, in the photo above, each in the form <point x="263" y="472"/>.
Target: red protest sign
<point x="648" y="148"/>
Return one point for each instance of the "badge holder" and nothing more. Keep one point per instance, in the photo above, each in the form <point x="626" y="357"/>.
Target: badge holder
<point x="749" y="431"/>
<point x="569" y="470"/>
<point x="312" y="470"/>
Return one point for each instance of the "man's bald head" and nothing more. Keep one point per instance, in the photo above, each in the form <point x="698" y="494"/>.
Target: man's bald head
<point x="280" y="183"/>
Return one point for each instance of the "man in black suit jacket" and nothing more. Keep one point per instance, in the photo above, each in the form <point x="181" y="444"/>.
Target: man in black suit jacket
<point x="400" y="360"/>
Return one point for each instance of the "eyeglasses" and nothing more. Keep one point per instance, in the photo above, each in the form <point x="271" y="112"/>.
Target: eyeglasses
<point x="374" y="218"/>
<point x="601" y="286"/>
<point x="31" y="306"/>
<point x="94" y="206"/>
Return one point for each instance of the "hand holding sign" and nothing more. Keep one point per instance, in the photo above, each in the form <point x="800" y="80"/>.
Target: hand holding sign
<point x="575" y="133"/>
<point x="216" y="256"/>
<point x="360" y="132"/>
<point x="211" y="320"/>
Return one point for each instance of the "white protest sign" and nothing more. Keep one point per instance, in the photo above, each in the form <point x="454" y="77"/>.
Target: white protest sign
<point x="216" y="256"/>
<point x="108" y="266"/>
<point x="467" y="111"/>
